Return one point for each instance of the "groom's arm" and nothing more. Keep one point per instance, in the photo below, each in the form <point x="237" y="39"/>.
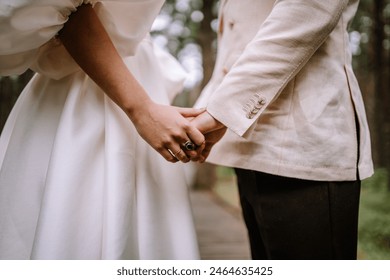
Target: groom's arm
<point x="284" y="43"/>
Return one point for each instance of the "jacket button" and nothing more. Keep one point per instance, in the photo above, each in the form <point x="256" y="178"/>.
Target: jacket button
<point x="261" y="101"/>
<point x="249" y="115"/>
<point x="231" y="24"/>
<point x="258" y="106"/>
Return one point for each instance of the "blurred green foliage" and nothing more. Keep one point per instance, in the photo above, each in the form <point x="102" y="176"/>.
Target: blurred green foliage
<point x="374" y="218"/>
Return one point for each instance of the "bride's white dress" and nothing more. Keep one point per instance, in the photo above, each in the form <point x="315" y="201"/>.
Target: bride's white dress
<point x="76" y="180"/>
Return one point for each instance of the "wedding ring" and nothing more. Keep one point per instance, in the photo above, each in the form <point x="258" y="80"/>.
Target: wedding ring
<point x="189" y="146"/>
<point x="172" y="154"/>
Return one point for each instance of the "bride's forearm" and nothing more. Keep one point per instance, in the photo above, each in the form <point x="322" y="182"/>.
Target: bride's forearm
<point x="163" y="127"/>
<point x="88" y="43"/>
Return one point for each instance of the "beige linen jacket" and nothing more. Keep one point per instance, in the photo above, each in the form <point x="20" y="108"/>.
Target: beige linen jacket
<point x="284" y="86"/>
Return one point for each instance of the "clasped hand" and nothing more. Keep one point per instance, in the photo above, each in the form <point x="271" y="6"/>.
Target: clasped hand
<point x="212" y="130"/>
<point x="167" y="129"/>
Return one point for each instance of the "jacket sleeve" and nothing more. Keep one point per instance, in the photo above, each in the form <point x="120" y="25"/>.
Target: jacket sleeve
<point x="284" y="43"/>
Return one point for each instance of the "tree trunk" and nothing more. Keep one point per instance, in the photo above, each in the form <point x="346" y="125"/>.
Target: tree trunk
<point x="378" y="72"/>
<point x="382" y="100"/>
<point x="383" y="77"/>
<point x="205" y="38"/>
<point x="10" y="89"/>
<point x="386" y="73"/>
<point x="206" y="173"/>
<point x="6" y="89"/>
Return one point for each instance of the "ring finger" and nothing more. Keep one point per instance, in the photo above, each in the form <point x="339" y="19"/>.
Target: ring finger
<point x="180" y="155"/>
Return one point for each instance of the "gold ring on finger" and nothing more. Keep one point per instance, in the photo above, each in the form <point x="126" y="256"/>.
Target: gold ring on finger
<point x="172" y="154"/>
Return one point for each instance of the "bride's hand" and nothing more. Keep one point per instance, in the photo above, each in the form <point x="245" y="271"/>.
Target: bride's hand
<point x="163" y="127"/>
<point x="166" y="129"/>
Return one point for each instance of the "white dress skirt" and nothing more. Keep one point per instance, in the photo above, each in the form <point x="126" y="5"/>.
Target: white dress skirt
<point x="76" y="180"/>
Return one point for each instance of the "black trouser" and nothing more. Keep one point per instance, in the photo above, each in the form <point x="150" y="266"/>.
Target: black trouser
<point x="299" y="219"/>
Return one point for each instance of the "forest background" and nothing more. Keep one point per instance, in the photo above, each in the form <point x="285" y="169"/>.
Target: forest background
<point x="187" y="29"/>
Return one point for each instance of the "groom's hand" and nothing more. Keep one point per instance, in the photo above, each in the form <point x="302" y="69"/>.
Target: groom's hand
<point x="211" y="139"/>
<point x="213" y="131"/>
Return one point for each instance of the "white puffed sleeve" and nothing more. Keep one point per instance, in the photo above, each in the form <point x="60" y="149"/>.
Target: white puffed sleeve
<point x="28" y="29"/>
<point x="26" y="25"/>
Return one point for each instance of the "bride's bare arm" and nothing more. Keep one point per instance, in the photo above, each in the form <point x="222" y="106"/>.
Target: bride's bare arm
<point x="163" y="127"/>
